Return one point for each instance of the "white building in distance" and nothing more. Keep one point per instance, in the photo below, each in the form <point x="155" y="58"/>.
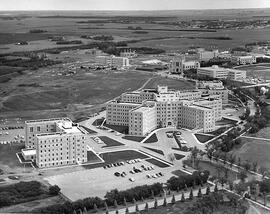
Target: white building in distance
<point x="222" y="73"/>
<point x="112" y="61"/>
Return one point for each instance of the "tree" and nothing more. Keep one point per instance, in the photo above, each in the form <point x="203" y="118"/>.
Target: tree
<point x="242" y="175"/>
<point x="146" y="207"/>
<point x="173" y="199"/>
<point x="191" y="194"/>
<point x="216" y="188"/>
<point x="115" y="204"/>
<point x="155" y="204"/>
<point x="207" y="190"/>
<point x="95" y="208"/>
<point x="183" y="197"/>
<point x="137" y="208"/>
<point x="165" y="202"/>
<point x="254" y="166"/>
<point x="199" y="193"/>
<point x="54" y="190"/>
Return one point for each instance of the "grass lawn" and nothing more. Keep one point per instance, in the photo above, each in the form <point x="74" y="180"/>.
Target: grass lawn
<point x="152" y="139"/>
<point x="178" y="156"/>
<point x="263" y="133"/>
<point x="254" y="151"/>
<point x="98" y="122"/>
<point x="172" y="83"/>
<point x="110" y="142"/>
<point x="90" y="131"/>
<point x="214" y="171"/>
<point x="8" y="155"/>
<point x="134" y="138"/>
<point x="203" y="138"/>
<point x="224" y="122"/>
<point x="124" y="155"/>
<point x="157" y="163"/>
<point x="92" y="157"/>
<point x="121" y="129"/>
<point x="218" y="131"/>
<point x="179" y="173"/>
<point x="155" y="150"/>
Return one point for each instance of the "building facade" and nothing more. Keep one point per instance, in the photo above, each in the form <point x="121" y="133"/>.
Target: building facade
<point x="56" y="142"/>
<point x="163" y="108"/>
<point x="222" y="73"/>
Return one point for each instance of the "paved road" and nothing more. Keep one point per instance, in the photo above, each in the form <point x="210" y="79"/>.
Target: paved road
<point x="256" y="138"/>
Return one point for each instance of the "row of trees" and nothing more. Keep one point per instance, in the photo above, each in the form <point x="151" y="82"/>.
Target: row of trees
<point x="185" y="181"/>
<point x="112" y="198"/>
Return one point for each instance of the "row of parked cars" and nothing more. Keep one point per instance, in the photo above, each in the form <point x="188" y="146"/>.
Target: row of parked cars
<point x="114" y="165"/>
<point x="134" y="161"/>
<point x="159" y="174"/>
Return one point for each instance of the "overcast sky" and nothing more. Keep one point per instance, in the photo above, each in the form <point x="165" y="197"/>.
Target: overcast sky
<point x="129" y="4"/>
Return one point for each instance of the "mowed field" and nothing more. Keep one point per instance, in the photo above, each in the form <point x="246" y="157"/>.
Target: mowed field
<point x="254" y="150"/>
<point x="171" y="83"/>
<point x="258" y="71"/>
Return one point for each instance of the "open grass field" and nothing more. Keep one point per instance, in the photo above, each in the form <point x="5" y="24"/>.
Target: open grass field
<point x="9" y="161"/>
<point x="172" y="83"/>
<point x="254" y="150"/>
<point x="64" y="95"/>
<point x="258" y="71"/>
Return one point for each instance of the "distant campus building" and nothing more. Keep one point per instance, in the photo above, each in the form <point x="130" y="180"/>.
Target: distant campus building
<point x="179" y="65"/>
<point x="55" y="142"/>
<point x="243" y="60"/>
<point x="222" y="73"/>
<point x="143" y="111"/>
<point x="128" y="53"/>
<point x="112" y="61"/>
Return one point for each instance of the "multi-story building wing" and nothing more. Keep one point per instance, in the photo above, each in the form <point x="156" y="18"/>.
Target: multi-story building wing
<point x="142" y="120"/>
<point x="55" y="142"/>
<point x="222" y="73"/>
<point x="197" y="117"/>
<point x="118" y="112"/>
<point x="34" y="127"/>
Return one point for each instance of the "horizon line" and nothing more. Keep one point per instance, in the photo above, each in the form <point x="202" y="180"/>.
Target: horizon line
<point x="136" y="10"/>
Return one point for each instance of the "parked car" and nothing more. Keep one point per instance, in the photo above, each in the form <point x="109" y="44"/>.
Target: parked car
<point x="132" y="179"/>
<point x="117" y="174"/>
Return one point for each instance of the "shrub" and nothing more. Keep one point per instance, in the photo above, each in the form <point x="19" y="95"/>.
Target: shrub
<point x="54" y="190"/>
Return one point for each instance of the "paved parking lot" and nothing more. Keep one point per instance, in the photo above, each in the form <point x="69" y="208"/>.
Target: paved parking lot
<point x="96" y="182"/>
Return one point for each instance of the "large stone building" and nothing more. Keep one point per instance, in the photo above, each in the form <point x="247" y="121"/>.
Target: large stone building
<point x="143" y="111"/>
<point x="56" y="142"/>
<point x="179" y="65"/>
<point x="243" y="60"/>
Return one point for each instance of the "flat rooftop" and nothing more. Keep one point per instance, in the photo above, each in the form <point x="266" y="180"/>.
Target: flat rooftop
<point x="143" y="109"/>
<point x="217" y="68"/>
<point x="48" y="120"/>
<point x="71" y="129"/>
<point x="29" y="152"/>
<point x="200" y="107"/>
